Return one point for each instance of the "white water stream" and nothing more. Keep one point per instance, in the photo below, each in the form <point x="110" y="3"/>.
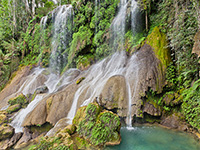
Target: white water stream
<point x="95" y="77"/>
<point x="62" y="35"/>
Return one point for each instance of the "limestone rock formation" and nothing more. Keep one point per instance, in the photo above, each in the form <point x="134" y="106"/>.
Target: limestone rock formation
<point x="174" y="122"/>
<point x="52" y="108"/>
<point x="152" y="109"/>
<point x="115" y="96"/>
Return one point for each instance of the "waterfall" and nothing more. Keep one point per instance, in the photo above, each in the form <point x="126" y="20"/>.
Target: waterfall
<point x="53" y="82"/>
<point x="19" y="118"/>
<point x="134" y="12"/>
<point x="43" y="22"/>
<point x="96" y="76"/>
<point x="118" y="28"/>
<point x="62" y="36"/>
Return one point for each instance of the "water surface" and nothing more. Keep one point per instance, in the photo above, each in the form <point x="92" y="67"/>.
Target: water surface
<point x="155" y="138"/>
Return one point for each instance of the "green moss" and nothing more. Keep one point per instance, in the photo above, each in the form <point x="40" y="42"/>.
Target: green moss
<point x="80" y="80"/>
<point x="13" y="108"/>
<point x="3" y="118"/>
<point x="21" y="99"/>
<point x="96" y="126"/>
<point x="158" y="41"/>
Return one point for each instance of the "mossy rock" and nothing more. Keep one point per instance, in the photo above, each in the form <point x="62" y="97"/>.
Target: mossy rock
<point x="98" y="127"/>
<point x="13" y="108"/>
<point x="158" y="41"/>
<point x="80" y="114"/>
<point x="6" y="131"/>
<point x="70" y="129"/>
<point x="20" y="99"/>
<point x="3" y="118"/>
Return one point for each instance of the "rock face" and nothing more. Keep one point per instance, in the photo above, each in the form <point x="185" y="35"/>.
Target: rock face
<point x="152" y="109"/>
<point x="6" y="131"/>
<point x="12" y="141"/>
<point x="115" y="96"/>
<point x="174" y="122"/>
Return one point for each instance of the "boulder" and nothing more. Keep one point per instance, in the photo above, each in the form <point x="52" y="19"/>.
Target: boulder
<point x="114" y="95"/>
<point x="53" y="108"/>
<point x="94" y="122"/>
<point x="6" y="131"/>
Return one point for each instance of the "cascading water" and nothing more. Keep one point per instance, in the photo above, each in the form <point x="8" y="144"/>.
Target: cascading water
<point x="53" y="82"/>
<point x="62" y="36"/>
<point x="134" y="12"/>
<point x="118" y="28"/>
<point x="98" y="74"/>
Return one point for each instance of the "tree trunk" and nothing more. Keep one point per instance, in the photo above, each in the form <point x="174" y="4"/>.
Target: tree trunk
<point x="146" y="20"/>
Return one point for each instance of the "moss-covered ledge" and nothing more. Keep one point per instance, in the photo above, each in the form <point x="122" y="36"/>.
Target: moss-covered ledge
<point x="158" y="41"/>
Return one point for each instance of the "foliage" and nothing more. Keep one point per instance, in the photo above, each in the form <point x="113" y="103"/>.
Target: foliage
<point x="90" y="27"/>
<point x="180" y="23"/>
<point x="191" y="104"/>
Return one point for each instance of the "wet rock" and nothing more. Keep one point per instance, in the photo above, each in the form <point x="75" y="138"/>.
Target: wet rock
<point x="13" y="108"/>
<point x="114" y="95"/>
<point x="6" y="131"/>
<point x="14" y="85"/>
<point x="52" y="108"/>
<point x="42" y="89"/>
<point x="152" y="109"/>
<point x="25" y="138"/>
<point x="13" y="140"/>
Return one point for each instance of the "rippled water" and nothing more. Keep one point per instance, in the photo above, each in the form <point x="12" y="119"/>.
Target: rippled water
<point x="155" y="138"/>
